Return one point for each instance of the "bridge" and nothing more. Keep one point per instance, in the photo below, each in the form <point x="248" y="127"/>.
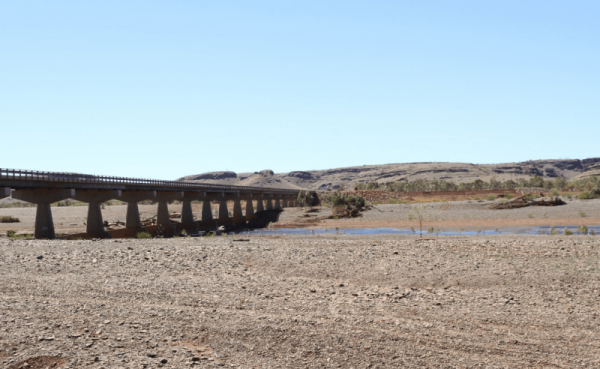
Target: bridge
<point x="45" y="188"/>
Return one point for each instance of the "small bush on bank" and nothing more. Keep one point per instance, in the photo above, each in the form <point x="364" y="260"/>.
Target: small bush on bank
<point x="373" y="186"/>
<point x="143" y="235"/>
<point x="338" y="199"/>
<point x="308" y="198"/>
<point x="360" y="186"/>
<point x="567" y="232"/>
<point x="345" y="205"/>
<point x="14" y="236"/>
<point x="584" y="196"/>
<point x="491" y="197"/>
<point x="9" y="219"/>
<point x="508" y="196"/>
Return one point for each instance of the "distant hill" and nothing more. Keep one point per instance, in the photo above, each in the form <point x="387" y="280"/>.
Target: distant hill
<point x="454" y="172"/>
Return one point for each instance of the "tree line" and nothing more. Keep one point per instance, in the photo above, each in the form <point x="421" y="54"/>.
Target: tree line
<point x="423" y="185"/>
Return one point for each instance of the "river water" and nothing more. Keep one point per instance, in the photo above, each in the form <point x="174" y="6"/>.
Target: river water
<point x="541" y="230"/>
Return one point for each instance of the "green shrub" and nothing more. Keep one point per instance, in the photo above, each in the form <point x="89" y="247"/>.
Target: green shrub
<point x="14" y="236"/>
<point x="582" y="214"/>
<point x="491" y="197"/>
<point x="584" y="195"/>
<point x="360" y="186"/>
<point x="339" y="199"/>
<point x="373" y="186"/>
<point x="9" y="219"/>
<point x="582" y="229"/>
<point x="509" y="195"/>
<point x="308" y="198"/>
<point x="567" y="232"/>
<point x="143" y="235"/>
<point x="554" y="192"/>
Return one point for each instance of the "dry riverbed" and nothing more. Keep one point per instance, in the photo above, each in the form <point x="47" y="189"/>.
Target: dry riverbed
<point x="441" y="215"/>
<point x="301" y="301"/>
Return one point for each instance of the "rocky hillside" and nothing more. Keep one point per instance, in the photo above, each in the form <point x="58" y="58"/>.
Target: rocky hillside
<point x="455" y="172"/>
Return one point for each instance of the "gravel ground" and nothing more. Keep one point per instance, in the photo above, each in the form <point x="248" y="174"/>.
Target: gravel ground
<point x="311" y="301"/>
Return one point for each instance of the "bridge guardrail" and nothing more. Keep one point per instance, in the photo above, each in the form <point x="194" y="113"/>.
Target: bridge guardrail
<point x="83" y="179"/>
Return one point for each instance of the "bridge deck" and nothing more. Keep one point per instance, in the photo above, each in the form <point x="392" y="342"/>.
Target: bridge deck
<point x="30" y="179"/>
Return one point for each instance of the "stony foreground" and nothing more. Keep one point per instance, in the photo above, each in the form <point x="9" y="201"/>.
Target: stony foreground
<point x="350" y="302"/>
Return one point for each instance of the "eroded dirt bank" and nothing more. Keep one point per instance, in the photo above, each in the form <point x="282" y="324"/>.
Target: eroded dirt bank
<point x="385" y="301"/>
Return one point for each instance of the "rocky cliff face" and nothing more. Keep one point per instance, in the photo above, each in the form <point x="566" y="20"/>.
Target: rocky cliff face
<point x="455" y="172"/>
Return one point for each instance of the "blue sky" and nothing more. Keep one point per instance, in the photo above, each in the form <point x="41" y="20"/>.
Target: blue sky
<point x="161" y="89"/>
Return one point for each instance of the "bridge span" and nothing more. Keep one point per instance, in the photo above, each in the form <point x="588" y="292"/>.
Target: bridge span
<point x="45" y="188"/>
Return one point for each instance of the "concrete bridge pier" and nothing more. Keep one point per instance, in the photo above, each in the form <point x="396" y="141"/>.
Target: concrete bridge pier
<point x="259" y="203"/>
<point x="4" y="192"/>
<point x="238" y="216"/>
<point x="250" y="209"/>
<point x="277" y="203"/>
<point x="44" y="226"/>
<point x="269" y="202"/>
<point x="224" y="213"/>
<point x="94" y="198"/>
<point x="208" y="220"/>
<point x="163" y="219"/>
<point x="207" y="212"/>
<point x="132" y="198"/>
<point x="284" y="202"/>
<point x="187" y="215"/>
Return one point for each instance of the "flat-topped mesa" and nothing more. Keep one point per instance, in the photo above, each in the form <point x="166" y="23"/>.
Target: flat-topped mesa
<point x="457" y="173"/>
<point x="44" y="188"/>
